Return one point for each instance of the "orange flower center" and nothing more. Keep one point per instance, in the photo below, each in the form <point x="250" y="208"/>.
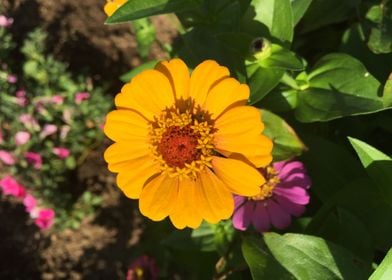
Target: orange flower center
<point x="178" y="146"/>
<point x="266" y="190"/>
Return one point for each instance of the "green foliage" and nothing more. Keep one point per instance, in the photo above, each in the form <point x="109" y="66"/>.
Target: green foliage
<point x="384" y="271"/>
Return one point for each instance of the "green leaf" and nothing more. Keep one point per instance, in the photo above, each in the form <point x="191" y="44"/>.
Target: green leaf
<point x="299" y="9"/>
<point x="261" y="81"/>
<point x="145" y="35"/>
<point x="129" y="75"/>
<point x="310" y="257"/>
<point x="286" y="142"/>
<point x="384" y="270"/>
<point x="388" y="91"/>
<point x="135" y="9"/>
<point x="262" y="265"/>
<point x="380" y="39"/>
<point x="378" y="166"/>
<point x="276" y="15"/>
<point x="282" y="59"/>
<point x="339" y="86"/>
<point x="322" y="13"/>
<point x="204" y="237"/>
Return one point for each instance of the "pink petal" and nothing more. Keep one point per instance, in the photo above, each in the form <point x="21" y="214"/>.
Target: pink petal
<point x="260" y="219"/>
<point x="243" y="214"/>
<point x="279" y="218"/>
<point x="290" y="207"/>
<point x="297" y="195"/>
<point x="288" y="168"/>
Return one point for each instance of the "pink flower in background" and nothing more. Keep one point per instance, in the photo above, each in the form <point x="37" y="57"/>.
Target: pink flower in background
<point x="21" y="99"/>
<point x="6" y="22"/>
<point x="45" y="218"/>
<point x="67" y="115"/>
<point x="283" y="195"/>
<point x="11" y="187"/>
<point x="80" y="96"/>
<point x="48" y="129"/>
<point x="57" y="99"/>
<point x="34" y="158"/>
<point x="64" y="131"/>
<point x="29" y="122"/>
<point x="61" y="152"/>
<point x="7" y="158"/>
<point x="22" y="137"/>
<point x="143" y="267"/>
<point x="20" y="93"/>
<point x="29" y="202"/>
<point x="12" y="79"/>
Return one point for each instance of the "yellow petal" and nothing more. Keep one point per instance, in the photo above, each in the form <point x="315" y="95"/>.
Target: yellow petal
<point x="204" y="77"/>
<point x="110" y="8"/>
<point x="178" y="74"/>
<point x="125" y="125"/>
<point x="119" y="152"/>
<point x="239" y="177"/>
<point x="185" y="213"/>
<point x="238" y="121"/>
<point x="256" y="148"/>
<point x="134" y="174"/>
<point x="158" y="197"/>
<point x="214" y="201"/>
<point x="226" y="93"/>
<point x="148" y="93"/>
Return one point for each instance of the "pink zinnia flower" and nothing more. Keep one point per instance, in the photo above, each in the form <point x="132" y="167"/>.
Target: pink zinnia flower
<point x="48" y="129"/>
<point x="22" y="137"/>
<point x="80" y="96"/>
<point x="283" y="195"/>
<point x="34" y="158"/>
<point x="6" y="22"/>
<point x="45" y="218"/>
<point x="7" y="158"/>
<point x="11" y="187"/>
<point x="61" y="152"/>
<point x="143" y="267"/>
<point x="29" y="122"/>
<point x="29" y="202"/>
<point x="12" y="79"/>
<point x="57" y="99"/>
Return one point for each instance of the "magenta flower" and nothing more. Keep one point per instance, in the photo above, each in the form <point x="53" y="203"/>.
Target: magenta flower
<point x="29" y="202"/>
<point x="6" y="22"/>
<point x="45" y="218"/>
<point x="143" y="267"/>
<point x="283" y="195"/>
<point x="11" y="187"/>
<point x="7" y="158"/>
<point x="80" y="96"/>
<point x="57" y="99"/>
<point x="61" y="152"/>
<point x="12" y="79"/>
<point x="48" y="129"/>
<point x="22" y="137"/>
<point x="34" y="158"/>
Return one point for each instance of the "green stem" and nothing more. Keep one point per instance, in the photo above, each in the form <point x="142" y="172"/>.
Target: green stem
<point x="289" y="81"/>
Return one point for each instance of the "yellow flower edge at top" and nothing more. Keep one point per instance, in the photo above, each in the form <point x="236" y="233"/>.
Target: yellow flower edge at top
<point x="184" y="144"/>
<point x="112" y="5"/>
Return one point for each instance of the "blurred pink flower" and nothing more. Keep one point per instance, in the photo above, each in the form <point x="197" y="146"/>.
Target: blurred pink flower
<point x="67" y="115"/>
<point x="45" y="218"/>
<point x="7" y="158"/>
<point x="284" y="194"/>
<point x="57" y="99"/>
<point x="11" y="187"/>
<point x="61" y="152"/>
<point x="80" y="96"/>
<point x="21" y="101"/>
<point x="48" y="129"/>
<point x="12" y="79"/>
<point x="20" y="93"/>
<point x="6" y="22"/>
<point x="29" y="202"/>
<point x="34" y="158"/>
<point x="29" y="122"/>
<point x="22" y="137"/>
<point x="64" y="131"/>
<point x="143" y="267"/>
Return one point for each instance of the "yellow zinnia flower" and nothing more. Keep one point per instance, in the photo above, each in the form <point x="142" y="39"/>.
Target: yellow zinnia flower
<point x="112" y="5"/>
<point x="186" y="143"/>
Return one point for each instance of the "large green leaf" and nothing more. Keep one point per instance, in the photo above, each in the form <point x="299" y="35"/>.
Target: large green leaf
<point x="299" y="9"/>
<point x="378" y="166"/>
<point x="338" y="86"/>
<point x="380" y="39"/>
<point x="384" y="271"/>
<point x="310" y="257"/>
<point x="261" y="263"/>
<point x="261" y="81"/>
<point x="286" y="142"/>
<point x="276" y="15"/>
<point x="135" y="9"/>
